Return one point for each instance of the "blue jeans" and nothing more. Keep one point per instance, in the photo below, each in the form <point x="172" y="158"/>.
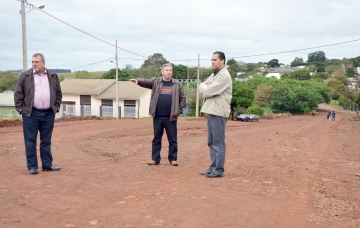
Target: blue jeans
<point x="159" y="123"/>
<point x="216" y="142"/>
<point x="43" y="122"/>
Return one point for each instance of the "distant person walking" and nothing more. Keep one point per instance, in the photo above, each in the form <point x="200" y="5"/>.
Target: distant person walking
<point x="333" y="114"/>
<point x="217" y="92"/>
<point x="167" y="102"/>
<point x="37" y="98"/>
<point x="328" y="115"/>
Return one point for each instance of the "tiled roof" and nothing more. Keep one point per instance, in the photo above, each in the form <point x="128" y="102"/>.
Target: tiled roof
<point x="103" y="88"/>
<point x="127" y="91"/>
<point x="85" y="86"/>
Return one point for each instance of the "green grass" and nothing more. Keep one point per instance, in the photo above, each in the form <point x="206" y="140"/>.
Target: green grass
<point x="93" y="75"/>
<point x="336" y="105"/>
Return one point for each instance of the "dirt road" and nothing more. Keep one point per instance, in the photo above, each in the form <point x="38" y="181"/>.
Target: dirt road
<point x="293" y="172"/>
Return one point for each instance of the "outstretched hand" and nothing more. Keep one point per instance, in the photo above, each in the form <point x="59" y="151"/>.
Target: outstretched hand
<point x="133" y="80"/>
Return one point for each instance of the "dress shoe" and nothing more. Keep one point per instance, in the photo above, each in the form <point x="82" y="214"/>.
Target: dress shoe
<point x="174" y="163"/>
<point x="51" y="168"/>
<point x="206" y="172"/>
<point x="154" y="163"/>
<point x="213" y="175"/>
<point x="33" y="171"/>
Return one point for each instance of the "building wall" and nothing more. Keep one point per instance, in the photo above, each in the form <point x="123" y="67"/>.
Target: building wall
<point x="144" y="105"/>
<point x="73" y="98"/>
<point x="95" y="106"/>
<point x="5" y="111"/>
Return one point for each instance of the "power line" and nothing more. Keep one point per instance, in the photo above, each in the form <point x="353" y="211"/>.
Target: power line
<point x="180" y="60"/>
<point x="85" y="32"/>
<point x="302" y="49"/>
<point x="92" y="64"/>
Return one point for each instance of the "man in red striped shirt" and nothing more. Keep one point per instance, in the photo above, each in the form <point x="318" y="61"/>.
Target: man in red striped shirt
<point x="166" y="104"/>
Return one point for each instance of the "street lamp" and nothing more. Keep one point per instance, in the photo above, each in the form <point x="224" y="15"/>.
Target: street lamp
<point x="24" y="45"/>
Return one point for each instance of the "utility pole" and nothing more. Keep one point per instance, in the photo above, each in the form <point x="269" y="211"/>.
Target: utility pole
<point x="24" y="46"/>
<point x="117" y="82"/>
<point x="356" y="88"/>
<point x="197" y="88"/>
<point x="188" y="72"/>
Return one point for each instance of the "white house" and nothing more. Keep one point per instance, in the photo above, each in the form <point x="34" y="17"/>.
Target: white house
<point x="97" y="97"/>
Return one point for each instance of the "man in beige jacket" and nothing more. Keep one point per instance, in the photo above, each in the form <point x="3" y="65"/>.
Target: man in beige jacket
<point x="217" y="93"/>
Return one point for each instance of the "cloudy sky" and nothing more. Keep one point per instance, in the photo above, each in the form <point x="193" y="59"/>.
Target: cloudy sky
<point x="179" y="30"/>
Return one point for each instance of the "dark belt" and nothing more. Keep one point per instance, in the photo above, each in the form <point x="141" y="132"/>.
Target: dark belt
<point x="42" y="110"/>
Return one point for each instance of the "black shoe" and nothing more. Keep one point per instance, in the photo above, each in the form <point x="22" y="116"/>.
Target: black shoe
<point x="33" y="171"/>
<point x="206" y="172"/>
<point x="51" y="168"/>
<point x="213" y="175"/>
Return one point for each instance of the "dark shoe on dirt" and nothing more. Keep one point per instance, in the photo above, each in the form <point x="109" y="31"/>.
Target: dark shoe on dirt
<point x="154" y="163"/>
<point x="174" y="163"/>
<point x="33" y="171"/>
<point x="204" y="173"/>
<point x="51" y="168"/>
<point x="213" y="175"/>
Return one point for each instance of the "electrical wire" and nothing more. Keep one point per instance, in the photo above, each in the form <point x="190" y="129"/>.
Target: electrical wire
<point x="92" y="64"/>
<point x="183" y="60"/>
<point x="84" y="31"/>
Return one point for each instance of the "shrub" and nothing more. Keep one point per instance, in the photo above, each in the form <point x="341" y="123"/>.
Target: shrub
<point x="255" y="110"/>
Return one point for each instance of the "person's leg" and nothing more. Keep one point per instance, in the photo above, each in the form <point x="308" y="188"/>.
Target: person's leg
<point x="30" y="129"/>
<point x="46" y="129"/>
<point x="211" y="129"/>
<point x="171" y="132"/>
<point x="156" y="142"/>
<point x="218" y="146"/>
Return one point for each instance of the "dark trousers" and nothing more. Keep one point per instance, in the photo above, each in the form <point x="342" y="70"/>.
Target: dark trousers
<point x="43" y="122"/>
<point x="159" y="123"/>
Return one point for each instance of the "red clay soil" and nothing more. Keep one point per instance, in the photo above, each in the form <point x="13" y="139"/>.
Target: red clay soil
<point x="299" y="171"/>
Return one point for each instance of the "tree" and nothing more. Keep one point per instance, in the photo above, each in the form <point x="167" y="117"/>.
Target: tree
<point x="82" y="74"/>
<point x="123" y="75"/>
<point x="242" y="95"/>
<point x="320" y="75"/>
<point x="297" y="62"/>
<point x="301" y="75"/>
<point x="273" y="63"/>
<point x="355" y="61"/>
<point x="179" y="71"/>
<point x="318" y="56"/>
<point x="329" y="70"/>
<point x="251" y="67"/>
<point x="8" y="81"/>
<point x="156" y="60"/>
<point x="233" y="67"/>
<point x="350" y="72"/>
<point x="262" y="95"/>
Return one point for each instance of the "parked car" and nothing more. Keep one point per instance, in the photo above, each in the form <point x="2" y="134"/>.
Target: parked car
<point x="246" y="118"/>
<point x="243" y="117"/>
<point x="254" y="118"/>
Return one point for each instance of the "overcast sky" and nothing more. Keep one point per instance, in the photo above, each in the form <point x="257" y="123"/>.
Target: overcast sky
<point x="177" y="29"/>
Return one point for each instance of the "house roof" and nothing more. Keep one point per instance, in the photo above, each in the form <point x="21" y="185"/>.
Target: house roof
<point x="7" y="98"/>
<point x="103" y="88"/>
<point x="127" y="91"/>
<point x="85" y="86"/>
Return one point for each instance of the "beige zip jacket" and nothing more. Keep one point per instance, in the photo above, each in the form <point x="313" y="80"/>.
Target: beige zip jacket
<point x="217" y="92"/>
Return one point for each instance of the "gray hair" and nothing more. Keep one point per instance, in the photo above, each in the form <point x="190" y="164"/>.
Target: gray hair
<point x="39" y="54"/>
<point x="166" y="65"/>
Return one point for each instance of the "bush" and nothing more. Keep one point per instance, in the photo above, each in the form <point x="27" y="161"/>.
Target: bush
<point x="268" y="110"/>
<point x="255" y="110"/>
